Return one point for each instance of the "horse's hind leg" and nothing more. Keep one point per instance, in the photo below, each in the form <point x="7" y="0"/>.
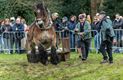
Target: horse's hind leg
<point x="43" y="55"/>
<point x="54" y="56"/>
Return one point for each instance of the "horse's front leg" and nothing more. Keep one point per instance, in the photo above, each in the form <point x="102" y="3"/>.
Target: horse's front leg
<point x="54" y="56"/>
<point x="31" y="54"/>
<point x="43" y="55"/>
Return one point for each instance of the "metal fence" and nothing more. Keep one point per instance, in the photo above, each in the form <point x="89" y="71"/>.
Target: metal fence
<point x="95" y="40"/>
<point x="118" y="43"/>
<point x="73" y="39"/>
<point x="14" y="42"/>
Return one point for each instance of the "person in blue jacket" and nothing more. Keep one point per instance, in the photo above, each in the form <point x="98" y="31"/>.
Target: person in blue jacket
<point x="71" y="27"/>
<point x="18" y="28"/>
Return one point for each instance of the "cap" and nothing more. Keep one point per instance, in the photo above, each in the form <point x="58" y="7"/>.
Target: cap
<point x="65" y="18"/>
<point x="12" y="18"/>
<point x="55" y="14"/>
<point x="81" y="16"/>
<point x="102" y="12"/>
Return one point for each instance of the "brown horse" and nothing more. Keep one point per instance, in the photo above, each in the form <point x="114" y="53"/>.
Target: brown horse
<point x="42" y="36"/>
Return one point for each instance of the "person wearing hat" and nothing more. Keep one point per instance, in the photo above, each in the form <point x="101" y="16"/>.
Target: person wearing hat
<point x="12" y="21"/>
<point x="107" y="35"/>
<point x="64" y="26"/>
<point x="57" y="23"/>
<point x="83" y="29"/>
<point x="18" y="28"/>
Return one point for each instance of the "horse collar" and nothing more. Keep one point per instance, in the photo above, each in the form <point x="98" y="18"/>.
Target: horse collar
<point x="45" y="28"/>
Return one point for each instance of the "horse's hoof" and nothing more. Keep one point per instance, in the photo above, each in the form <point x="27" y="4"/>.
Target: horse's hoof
<point x="44" y="62"/>
<point x="32" y="58"/>
<point x="54" y="62"/>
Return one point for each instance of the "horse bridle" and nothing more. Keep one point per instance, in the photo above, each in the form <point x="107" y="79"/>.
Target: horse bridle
<point x="41" y="22"/>
<point x="50" y="23"/>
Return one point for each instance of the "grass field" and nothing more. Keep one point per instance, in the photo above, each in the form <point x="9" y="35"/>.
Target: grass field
<point x="16" y="67"/>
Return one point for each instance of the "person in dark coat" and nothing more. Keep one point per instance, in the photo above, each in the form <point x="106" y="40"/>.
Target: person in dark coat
<point x="18" y="28"/>
<point x="6" y="29"/>
<point x="64" y="27"/>
<point x="1" y="37"/>
<point x="107" y="36"/>
<point x="118" y="24"/>
<point x="95" y="33"/>
<point x="57" y="23"/>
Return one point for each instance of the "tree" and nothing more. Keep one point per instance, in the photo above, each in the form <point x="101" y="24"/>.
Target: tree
<point x="75" y="7"/>
<point x="24" y="8"/>
<point x="112" y="7"/>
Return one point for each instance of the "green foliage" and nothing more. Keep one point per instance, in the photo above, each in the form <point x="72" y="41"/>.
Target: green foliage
<point x="113" y="6"/>
<point x="75" y="7"/>
<point x="25" y="8"/>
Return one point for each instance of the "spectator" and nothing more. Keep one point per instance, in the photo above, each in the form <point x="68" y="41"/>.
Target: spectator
<point x="12" y="39"/>
<point x="57" y="23"/>
<point x="121" y="17"/>
<point x="118" y="24"/>
<point x="12" y="21"/>
<point x="107" y="34"/>
<point x="71" y="27"/>
<point x="84" y="29"/>
<point x="95" y="33"/>
<point x="6" y="28"/>
<point x="64" y="26"/>
<point x="26" y="29"/>
<point x="18" y="27"/>
<point x="89" y="19"/>
<point x="1" y="37"/>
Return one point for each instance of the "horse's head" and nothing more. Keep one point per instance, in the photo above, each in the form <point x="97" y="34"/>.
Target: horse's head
<point x="42" y="15"/>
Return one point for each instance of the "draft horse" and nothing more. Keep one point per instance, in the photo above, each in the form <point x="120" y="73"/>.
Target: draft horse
<point x="42" y="36"/>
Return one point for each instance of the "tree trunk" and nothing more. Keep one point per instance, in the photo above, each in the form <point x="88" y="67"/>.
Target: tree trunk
<point x="93" y="7"/>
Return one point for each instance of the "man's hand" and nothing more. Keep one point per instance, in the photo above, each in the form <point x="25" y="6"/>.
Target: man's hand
<point x="81" y="33"/>
<point x="114" y="41"/>
<point x="76" y="30"/>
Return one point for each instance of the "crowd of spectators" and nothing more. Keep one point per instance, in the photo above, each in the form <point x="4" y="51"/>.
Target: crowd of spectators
<point x="92" y="23"/>
<point x="12" y="31"/>
<point x="13" y="38"/>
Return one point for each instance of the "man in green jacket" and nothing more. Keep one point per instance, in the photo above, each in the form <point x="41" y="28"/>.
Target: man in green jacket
<point x="107" y="35"/>
<point x="83" y="28"/>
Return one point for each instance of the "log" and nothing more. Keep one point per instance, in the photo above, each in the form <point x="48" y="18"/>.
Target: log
<point x="64" y="56"/>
